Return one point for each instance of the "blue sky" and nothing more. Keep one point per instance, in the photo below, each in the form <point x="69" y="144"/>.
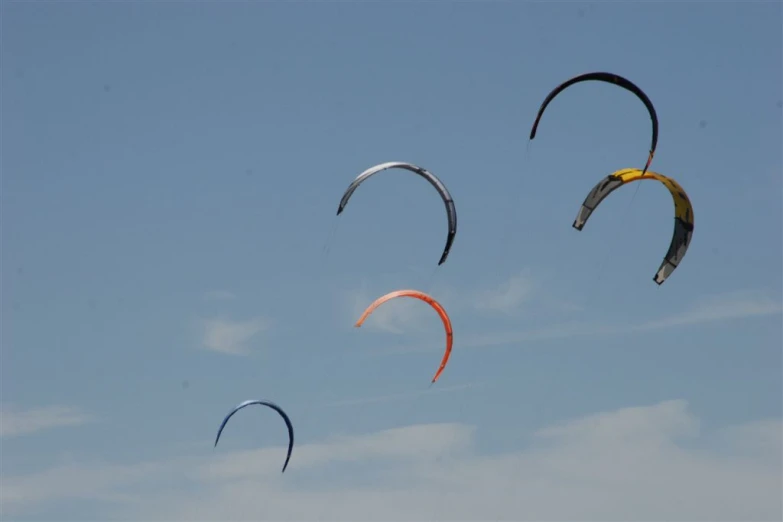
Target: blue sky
<point x="170" y="177"/>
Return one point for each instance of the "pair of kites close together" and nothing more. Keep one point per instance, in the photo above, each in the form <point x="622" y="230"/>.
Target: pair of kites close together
<point x="683" y="222"/>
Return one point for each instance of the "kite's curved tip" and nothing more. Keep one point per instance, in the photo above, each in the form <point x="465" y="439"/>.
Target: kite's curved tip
<point x="647" y="165"/>
<point x="578" y="226"/>
<point x="357" y="325"/>
<point x="534" y="128"/>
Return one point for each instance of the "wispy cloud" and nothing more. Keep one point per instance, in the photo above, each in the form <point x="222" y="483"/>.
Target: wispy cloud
<point x="231" y="337"/>
<point x="403" y="396"/>
<point x="406" y="315"/>
<point x="732" y="305"/>
<point x="668" y="419"/>
<point x="508" y="297"/>
<point x="723" y="307"/>
<point x="219" y="295"/>
<point x="717" y="308"/>
<point x="625" y="464"/>
<point x="15" y="422"/>
<point x="762" y="438"/>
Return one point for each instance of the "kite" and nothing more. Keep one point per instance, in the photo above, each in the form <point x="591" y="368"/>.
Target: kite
<point x="683" y="213"/>
<point x="451" y="210"/>
<point x="609" y="78"/>
<point x="430" y="301"/>
<point x="275" y="407"/>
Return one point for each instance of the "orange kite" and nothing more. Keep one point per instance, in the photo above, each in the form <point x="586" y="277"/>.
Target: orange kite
<point x="427" y="299"/>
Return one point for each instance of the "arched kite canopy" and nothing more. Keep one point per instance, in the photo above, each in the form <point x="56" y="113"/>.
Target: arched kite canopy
<point x="609" y="78"/>
<point x="430" y="301"/>
<point x="683" y="213"/>
<point x="451" y="211"/>
<point x="275" y="407"/>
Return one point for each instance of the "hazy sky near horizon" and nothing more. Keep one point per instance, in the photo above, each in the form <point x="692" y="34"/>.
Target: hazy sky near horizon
<point x="170" y="177"/>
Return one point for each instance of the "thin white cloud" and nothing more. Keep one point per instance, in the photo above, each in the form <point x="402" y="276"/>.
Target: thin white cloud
<point x="721" y="307"/>
<point x="401" y="445"/>
<point x="403" y="396"/>
<point x="620" y="465"/>
<point x="100" y="482"/>
<point x="731" y="305"/>
<point x="508" y="297"/>
<point x="663" y="421"/>
<point x="219" y="295"/>
<point x="762" y="438"/>
<point x="231" y="337"/>
<point x="15" y="422"/>
<point x="404" y="315"/>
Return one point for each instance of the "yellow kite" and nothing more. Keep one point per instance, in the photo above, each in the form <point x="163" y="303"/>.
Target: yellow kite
<point x="683" y="213"/>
